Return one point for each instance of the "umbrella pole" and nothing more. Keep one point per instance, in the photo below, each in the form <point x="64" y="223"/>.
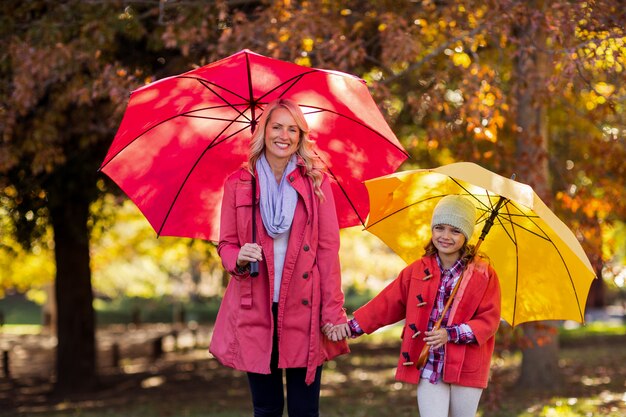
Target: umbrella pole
<point x="254" y="266"/>
<point x="421" y="361"/>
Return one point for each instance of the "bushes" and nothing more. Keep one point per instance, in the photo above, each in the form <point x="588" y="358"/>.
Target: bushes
<point x="155" y="310"/>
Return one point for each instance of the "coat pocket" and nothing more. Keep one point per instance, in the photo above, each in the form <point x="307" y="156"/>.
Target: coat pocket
<point x="243" y="205"/>
<point x="473" y="358"/>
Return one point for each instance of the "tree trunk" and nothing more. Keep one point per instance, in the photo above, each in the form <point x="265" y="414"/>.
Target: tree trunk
<point x="593" y="248"/>
<point x="76" y="350"/>
<point x="49" y="311"/>
<point x="540" y="364"/>
<point x="540" y="355"/>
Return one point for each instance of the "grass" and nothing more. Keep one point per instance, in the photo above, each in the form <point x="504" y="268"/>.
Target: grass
<point x="19" y="310"/>
<point x="18" y="329"/>
<point x="593" y="329"/>
<point x="594" y="377"/>
<point x="190" y="383"/>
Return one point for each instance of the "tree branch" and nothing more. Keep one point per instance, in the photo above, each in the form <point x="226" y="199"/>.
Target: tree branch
<point x="417" y="65"/>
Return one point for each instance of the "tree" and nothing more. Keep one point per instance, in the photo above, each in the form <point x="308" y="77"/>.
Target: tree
<point x="540" y="359"/>
<point x="66" y="69"/>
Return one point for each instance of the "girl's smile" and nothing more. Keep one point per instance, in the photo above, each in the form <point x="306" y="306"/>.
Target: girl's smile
<point x="449" y="241"/>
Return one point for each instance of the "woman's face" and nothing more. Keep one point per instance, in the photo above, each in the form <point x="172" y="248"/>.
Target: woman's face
<point x="448" y="239"/>
<point x="281" y="136"/>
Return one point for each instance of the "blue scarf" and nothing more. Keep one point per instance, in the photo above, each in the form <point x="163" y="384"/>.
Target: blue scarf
<point x="278" y="201"/>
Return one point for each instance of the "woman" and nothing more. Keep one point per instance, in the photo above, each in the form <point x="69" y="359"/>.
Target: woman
<point x="273" y="321"/>
<point x="457" y="369"/>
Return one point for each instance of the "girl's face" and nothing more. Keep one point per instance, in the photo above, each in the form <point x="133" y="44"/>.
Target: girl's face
<point x="281" y="136"/>
<point x="448" y="239"/>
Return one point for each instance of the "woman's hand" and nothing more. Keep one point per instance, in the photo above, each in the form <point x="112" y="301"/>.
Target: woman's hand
<point x="337" y="332"/>
<point x="436" y="338"/>
<point x="249" y="252"/>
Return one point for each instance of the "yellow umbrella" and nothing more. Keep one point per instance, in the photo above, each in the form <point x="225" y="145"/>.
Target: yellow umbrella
<point x="544" y="272"/>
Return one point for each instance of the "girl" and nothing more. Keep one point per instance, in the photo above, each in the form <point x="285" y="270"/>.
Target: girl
<point x="457" y="368"/>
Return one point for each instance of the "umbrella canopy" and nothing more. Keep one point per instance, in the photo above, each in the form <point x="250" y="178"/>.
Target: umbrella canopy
<point x="182" y="136"/>
<point x="544" y="272"/>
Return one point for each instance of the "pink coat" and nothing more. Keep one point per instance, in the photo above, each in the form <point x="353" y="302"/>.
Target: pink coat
<point x="476" y="303"/>
<point x="310" y="293"/>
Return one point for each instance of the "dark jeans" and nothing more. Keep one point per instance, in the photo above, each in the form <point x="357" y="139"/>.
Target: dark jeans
<point x="267" y="390"/>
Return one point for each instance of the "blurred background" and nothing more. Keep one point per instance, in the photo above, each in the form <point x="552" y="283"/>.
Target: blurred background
<point x="87" y="291"/>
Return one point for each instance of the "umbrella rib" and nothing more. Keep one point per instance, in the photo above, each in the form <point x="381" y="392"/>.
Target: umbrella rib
<point x="544" y="237"/>
<point x="219" y="119"/>
<point x="402" y="209"/>
<point x="320" y="109"/>
<point x="342" y="190"/>
<point x="251" y="101"/>
<point x="299" y="78"/>
<point x="569" y="275"/>
<point x="482" y="217"/>
<point x="490" y="207"/>
<point x="185" y="114"/>
<point x="473" y="195"/>
<point x="136" y="138"/>
<point x="182" y="185"/>
<point x="293" y="80"/>
<point x="206" y="84"/>
<point x="228" y="104"/>
<point x="513" y="236"/>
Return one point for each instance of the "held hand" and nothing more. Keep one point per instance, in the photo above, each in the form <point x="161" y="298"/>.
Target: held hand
<point x="340" y="332"/>
<point x="327" y="329"/>
<point x="337" y="332"/>
<point x="249" y="252"/>
<point x="436" y="338"/>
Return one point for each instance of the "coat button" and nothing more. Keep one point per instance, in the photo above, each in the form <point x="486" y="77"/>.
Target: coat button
<point x="305" y="302"/>
<point x="305" y="275"/>
<point x="291" y="178"/>
<point x="306" y="248"/>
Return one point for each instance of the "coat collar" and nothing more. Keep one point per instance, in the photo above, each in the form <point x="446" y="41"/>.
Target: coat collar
<point x="297" y="178"/>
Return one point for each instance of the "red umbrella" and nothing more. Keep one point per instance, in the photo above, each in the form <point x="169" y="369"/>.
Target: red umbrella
<point x="182" y="136"/>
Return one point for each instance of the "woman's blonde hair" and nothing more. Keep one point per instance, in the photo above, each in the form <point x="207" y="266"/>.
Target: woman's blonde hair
<point x="313" y="164"/>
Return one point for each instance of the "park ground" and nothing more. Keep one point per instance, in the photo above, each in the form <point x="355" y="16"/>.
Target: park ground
<point x="180" y="378"/>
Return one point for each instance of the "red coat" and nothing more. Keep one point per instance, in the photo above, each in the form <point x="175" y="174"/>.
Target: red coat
<point x="310" y="293"/>
<point x="477" y="304"/>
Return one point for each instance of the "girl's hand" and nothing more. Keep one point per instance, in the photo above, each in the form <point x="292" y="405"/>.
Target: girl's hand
<point x="436" y="338"/>
<point x="249" y="252"/>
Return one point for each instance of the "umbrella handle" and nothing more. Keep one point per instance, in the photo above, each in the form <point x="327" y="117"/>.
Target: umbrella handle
<point x="254" y="269"/>
<point x="254" y="266"/>
<point x="421" y="361"/>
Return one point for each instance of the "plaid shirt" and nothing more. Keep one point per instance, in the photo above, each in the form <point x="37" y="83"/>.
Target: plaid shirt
<point x="433" y="369"/>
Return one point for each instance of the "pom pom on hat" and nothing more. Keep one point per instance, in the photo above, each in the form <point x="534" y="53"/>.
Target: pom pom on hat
<point x="456" y="211"/>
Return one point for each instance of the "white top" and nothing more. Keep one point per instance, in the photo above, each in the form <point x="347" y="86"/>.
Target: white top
<point x="280" y="251"/>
